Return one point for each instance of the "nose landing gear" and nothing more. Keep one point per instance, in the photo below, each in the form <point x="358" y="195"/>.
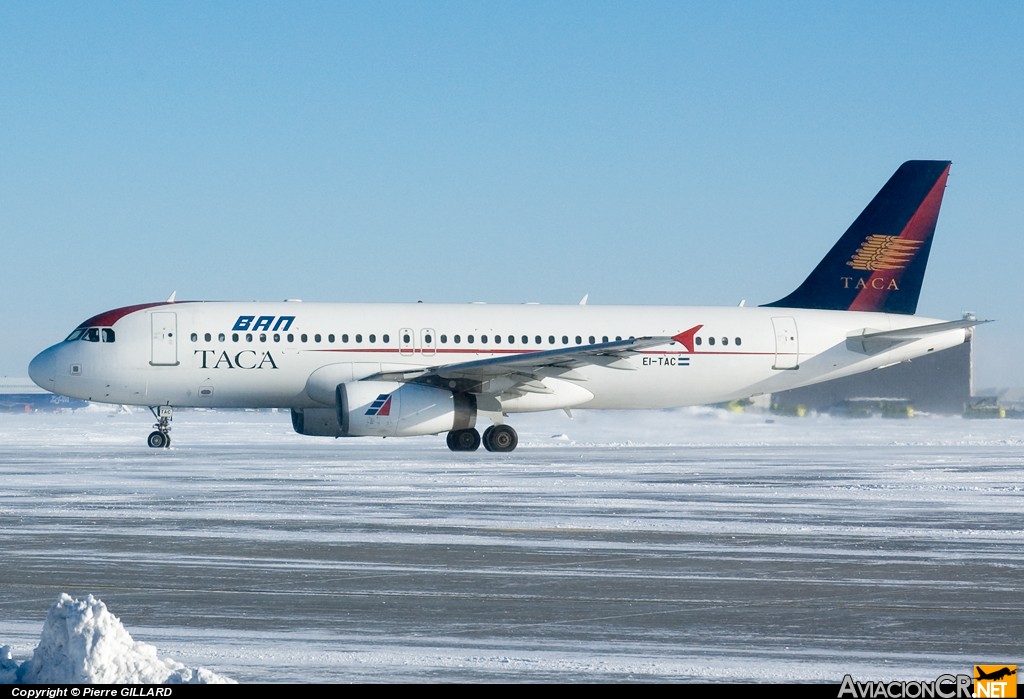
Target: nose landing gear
<point x="161" y="438"/>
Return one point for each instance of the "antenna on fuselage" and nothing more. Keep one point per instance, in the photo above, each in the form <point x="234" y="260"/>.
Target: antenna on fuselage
<point x="170" y="299"/>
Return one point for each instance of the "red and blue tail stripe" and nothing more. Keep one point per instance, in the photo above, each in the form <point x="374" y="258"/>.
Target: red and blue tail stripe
<point x="879" y="263"/>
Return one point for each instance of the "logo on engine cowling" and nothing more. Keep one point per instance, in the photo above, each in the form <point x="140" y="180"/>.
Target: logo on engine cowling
<point x="380" y="407"/>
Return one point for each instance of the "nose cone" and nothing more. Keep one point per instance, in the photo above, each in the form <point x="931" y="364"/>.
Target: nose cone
<point x="43" y="369"/>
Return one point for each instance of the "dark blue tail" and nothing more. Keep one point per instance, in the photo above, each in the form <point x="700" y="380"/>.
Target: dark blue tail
<point x="878" y="264"/>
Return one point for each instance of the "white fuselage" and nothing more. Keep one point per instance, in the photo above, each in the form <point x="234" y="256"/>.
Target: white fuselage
<point x="292" y="354"/>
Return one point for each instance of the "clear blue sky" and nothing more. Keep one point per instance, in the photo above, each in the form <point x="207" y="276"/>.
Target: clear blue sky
<point x="641" y="152"/>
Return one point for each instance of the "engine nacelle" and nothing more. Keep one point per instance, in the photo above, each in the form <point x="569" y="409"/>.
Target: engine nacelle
<point x="393" y="409"/>
<point x="316" y="422"/>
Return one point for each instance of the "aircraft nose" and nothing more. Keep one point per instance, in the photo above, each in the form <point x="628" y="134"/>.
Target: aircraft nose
<point x="43" y="369"/>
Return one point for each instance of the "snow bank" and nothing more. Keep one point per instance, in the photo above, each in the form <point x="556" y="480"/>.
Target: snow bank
<point x="83" y="643"/>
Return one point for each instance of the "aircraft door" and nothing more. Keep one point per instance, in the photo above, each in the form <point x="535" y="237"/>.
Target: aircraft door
<point x="427" y="340"/>
<point x="165" y="338"/>
<point x="787" y="343"/>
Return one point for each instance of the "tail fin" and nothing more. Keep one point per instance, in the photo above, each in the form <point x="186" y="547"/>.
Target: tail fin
<point x="878" y="264"/>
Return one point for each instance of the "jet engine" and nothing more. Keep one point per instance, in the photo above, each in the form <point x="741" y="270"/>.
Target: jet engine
<point x="388" y="409"/>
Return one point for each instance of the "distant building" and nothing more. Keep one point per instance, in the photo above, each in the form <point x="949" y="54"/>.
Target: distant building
<point x="936" y="383"/>
<point x="23" y="396"/>
<point x="1001" y="402"/>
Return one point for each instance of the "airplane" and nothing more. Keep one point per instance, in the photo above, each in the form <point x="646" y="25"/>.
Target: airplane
<point x="995" y="674"/>
<point x="396" y="370"/>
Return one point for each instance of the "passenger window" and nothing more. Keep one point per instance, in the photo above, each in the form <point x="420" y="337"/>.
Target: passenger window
<point x="738" y="342"/>
<point x="579" y="340"/>
<point x="497" y="339"/>
<point x="291" y="337"/>
<point x="458" y="339"/>
<point x="428" y="338"/>
<point x="469" y="339"/>
<point x="604" y="338"/>
<point x="195" y="338"/>
<point x="305" y="337"/>
<point x="248" y="337"/>
<point x="359" y="337"/>
<point x="344" y="337"/>
<point x="330" y="338"/>
<point x="511" y="339"/>
<point x="220" y="337"/>
<point x="483" y="339"/>
<point x="406" y="339"/>
<point x="316" y="338"/>
<point x="444" y="339"/>
<point x="711" y="340"/>
<point x="263" y="337"/>
<point x="373" y="338"/>
<point x="699" y="341"/>
<point x="234" y="337"/>
<point x="592" y="340"/>
<point x="386" y="338"/>
<point x="725" y="341"/>
<point x="536" y="340"/>
<point x="551" y="339"/>
<point x="277" y="337"/>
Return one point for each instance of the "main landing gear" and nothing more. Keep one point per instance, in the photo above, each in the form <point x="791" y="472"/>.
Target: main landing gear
<point x="161" y="438"/>
<point x="501" y="438"/>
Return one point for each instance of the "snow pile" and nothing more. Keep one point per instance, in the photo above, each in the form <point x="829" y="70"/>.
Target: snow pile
<point x="83" y="643"/>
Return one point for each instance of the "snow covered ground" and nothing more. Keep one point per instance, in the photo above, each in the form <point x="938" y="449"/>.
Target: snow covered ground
<point x="652" y="546"/>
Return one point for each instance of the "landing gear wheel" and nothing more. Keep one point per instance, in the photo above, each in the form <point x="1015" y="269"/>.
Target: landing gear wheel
<point x="162" y="437"/>
<point x="500" y="438"/>
<point x="463" y="440"/>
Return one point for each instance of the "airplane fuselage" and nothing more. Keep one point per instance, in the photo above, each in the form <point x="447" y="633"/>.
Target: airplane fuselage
<point x="228" y="354"/>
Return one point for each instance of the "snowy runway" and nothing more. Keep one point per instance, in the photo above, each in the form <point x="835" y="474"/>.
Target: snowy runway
<point x="672" y="545"/>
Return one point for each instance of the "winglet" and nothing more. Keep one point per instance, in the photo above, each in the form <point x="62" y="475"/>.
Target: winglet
<point x="879" y="263"/>
<point x="685" y="338"/>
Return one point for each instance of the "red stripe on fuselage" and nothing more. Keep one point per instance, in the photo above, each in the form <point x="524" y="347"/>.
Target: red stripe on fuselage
<point x="108" y="318"/>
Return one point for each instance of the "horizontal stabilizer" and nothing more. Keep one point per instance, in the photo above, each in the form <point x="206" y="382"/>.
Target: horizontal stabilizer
<point x="873" y="342"/>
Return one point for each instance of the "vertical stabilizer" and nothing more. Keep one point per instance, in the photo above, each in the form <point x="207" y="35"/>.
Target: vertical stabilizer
<point x="879" y="263"/>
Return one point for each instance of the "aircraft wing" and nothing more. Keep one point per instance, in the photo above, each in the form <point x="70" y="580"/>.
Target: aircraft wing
<point x="523" y="370"/>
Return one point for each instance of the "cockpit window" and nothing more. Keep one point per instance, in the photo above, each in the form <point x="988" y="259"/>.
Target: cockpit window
<point x="91" y="335"/>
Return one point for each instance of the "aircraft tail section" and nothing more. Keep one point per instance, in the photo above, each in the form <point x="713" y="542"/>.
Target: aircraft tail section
<point x="879" y="263"/>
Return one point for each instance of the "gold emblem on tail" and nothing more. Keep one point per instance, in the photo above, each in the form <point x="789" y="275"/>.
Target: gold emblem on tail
<point x="884" y="252"/>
